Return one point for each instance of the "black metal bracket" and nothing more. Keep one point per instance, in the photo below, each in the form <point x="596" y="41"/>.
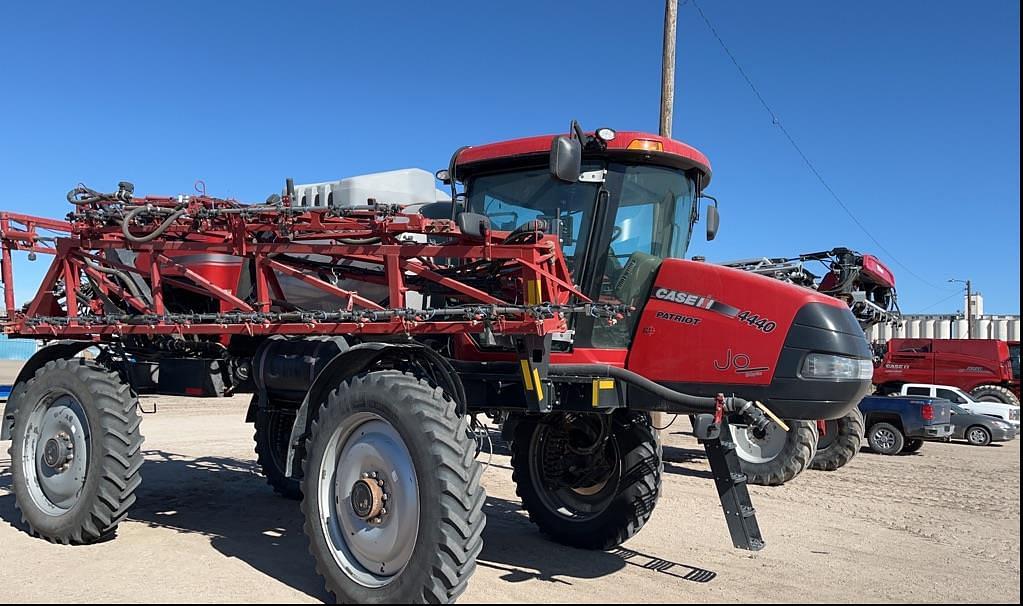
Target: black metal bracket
<point x="733" y="491"/>
<point x="534" y="353"/>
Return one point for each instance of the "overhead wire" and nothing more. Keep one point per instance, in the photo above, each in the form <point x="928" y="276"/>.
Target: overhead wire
<point x="776" y="121"/>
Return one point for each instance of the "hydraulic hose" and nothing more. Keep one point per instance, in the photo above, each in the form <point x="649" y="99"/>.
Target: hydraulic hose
<point x="156" y="233"/>
<point x="705" y="404"/>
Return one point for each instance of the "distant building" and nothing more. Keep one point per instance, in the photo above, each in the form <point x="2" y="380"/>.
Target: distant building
<point x="950" y="326"/>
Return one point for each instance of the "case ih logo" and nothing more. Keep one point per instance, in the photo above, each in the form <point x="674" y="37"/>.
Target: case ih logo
<point x="698" y="301"/>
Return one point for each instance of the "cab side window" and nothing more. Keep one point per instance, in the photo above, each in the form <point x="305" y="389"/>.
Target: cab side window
<point x="951" y="396"/>
<point x="918" y="391"/>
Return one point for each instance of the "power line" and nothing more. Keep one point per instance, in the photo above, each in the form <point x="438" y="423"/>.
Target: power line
<point x="806" y="160"/>
<point x="933" y="305"/>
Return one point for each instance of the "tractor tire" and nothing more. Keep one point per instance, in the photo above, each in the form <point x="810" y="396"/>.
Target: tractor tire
<point x="272" y="437"/>
<point x="391" y="494"/>
<point x="76" y="451"/>
<point x="609" y="512"/>
<point x="779" y="456"/>
<point x="978" y="435"/>
<point x="886" y="439"/>
<point x="912" y="446"/>
<point x="995" y="393"/>
<point x="840" y="442"/>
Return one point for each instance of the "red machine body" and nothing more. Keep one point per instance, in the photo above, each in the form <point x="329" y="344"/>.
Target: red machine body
<point x="963" y="363"/>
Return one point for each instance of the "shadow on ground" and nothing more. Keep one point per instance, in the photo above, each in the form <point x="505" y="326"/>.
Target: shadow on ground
<point x="226" y="500"/>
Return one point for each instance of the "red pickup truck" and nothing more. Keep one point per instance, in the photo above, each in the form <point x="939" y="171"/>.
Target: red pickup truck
<point x="983" y="367"/>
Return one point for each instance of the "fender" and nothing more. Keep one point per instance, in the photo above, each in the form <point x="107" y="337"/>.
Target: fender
<point x="356" y="360"/>
<point x="58" y="350"/>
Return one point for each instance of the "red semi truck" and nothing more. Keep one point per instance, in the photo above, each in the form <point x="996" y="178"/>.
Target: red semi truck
<point x="982" y="367"/>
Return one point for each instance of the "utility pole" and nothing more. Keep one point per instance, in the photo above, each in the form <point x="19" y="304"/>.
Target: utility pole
<point x="667" y="103"/>
<point x="969" y="310"/>
<point x="668" y="67"/>
<point x="969" y="306"/>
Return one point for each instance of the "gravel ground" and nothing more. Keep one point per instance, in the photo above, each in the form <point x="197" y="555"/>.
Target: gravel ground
<point x="942" y="525"/>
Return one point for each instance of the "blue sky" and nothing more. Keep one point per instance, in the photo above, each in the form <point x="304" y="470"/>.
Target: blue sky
<point x="910" y="110"/>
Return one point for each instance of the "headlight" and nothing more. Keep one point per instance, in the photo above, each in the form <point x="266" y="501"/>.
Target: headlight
<point x="827" y="366"/>
<point x="1003" y="425"/>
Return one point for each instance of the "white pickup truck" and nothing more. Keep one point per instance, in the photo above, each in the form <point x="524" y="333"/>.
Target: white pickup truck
<point x="1005" y="412"/>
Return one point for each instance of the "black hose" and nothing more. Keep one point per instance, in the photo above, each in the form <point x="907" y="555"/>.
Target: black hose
<point x="701" y="403"/>
<point x="128" y="283"/>
<point x="156" y="233"/>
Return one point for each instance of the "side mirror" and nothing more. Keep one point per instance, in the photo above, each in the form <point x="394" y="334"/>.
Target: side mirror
<point x="473" y="225"/>
<point x="566" y="158"/>
<point x="713" y="220"/>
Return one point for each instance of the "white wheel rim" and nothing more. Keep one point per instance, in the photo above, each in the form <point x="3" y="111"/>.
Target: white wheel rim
<point x="370" y="552"/>
<point x="753" y="449"/>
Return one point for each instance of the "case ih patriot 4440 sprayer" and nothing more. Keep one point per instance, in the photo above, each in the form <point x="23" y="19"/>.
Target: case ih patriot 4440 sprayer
<point x="550" y="293"/>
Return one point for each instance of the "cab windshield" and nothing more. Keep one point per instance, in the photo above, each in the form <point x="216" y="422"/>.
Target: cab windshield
<point x="652" y="209"/>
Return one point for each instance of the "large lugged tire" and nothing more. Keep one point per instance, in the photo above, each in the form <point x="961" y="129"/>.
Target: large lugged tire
<point x="995" y="393"/>
<point x="272" y="435"/>
<point x="609" y="512"/>
<point x="778" y="456"/>
<point x="76" y="451"/>
<point x="391" y="494"/>
<point x="840" y="442"/>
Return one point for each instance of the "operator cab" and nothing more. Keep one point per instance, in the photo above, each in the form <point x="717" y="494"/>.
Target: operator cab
<point x="619" y="203"/>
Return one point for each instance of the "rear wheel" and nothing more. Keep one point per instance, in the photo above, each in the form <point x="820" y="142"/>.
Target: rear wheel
<point x="995" y="393"/>
<point x="912" y="446"/>
<point x="588" y="481"/>
<point x="978" y="436"/>
<point x="391" y="495"/>
<point x="841" y="441"/>
<point x="76" y="451"/>
<point x="886" y="439"/>
<point x="272" y="437"/>
<point x="774" y="456"/>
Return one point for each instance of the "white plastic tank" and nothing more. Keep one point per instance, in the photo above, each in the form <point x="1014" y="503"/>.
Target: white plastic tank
<point x="961" y="329"/>
<point x="927" y="329"/>
<point x="1014" y="329"/>
<point x="942" y="329"/>
<point x="405" y="186"/>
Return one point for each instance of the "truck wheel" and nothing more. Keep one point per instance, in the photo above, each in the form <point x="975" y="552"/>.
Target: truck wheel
<point x="75" y="452"/>
<point x="392" y="498"/>
<point x="995" y="393"/>
<point x="912" y="446"/>
<point x="273" y="433"/>
<point x="840" y="442"/>
<point x="978" y="436"/>
<point x="589" y="481"/>
<point x="885" y="438"/>
<point x="777" y="456"/>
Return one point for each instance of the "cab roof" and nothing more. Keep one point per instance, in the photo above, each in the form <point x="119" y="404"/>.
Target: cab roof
<point x="644" y="147"/>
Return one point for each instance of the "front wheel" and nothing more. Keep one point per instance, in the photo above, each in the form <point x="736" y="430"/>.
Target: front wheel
<point x="391" y="494"/>
<point x="774" y="456"/>
<point x="589" y="481"/>
<point x="978" y="436"/>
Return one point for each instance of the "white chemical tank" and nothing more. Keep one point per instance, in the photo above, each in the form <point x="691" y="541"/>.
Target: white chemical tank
<point x="405" y="186"/>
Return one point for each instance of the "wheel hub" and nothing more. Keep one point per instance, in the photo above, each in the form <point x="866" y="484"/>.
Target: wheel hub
<point x="58" y="452"/>
<point x="368" y="498"/>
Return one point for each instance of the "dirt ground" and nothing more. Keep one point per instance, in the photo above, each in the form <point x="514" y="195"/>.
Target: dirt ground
<point x="942" y="525"/>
